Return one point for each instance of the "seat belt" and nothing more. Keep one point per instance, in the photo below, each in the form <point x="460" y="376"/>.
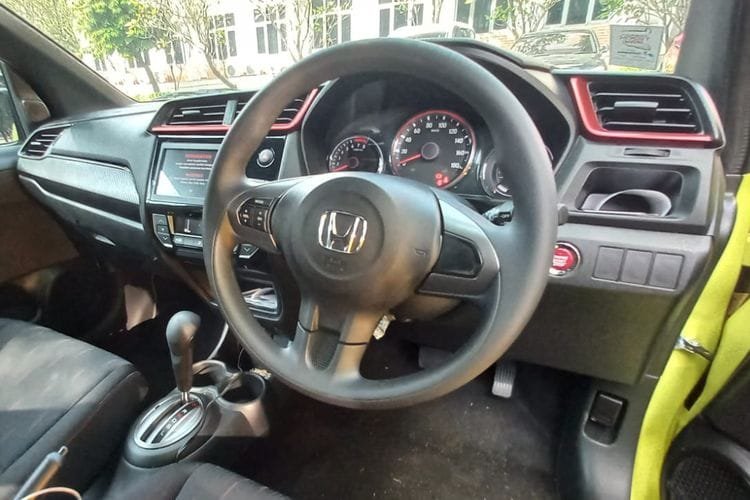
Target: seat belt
<point x="709" y="346"/>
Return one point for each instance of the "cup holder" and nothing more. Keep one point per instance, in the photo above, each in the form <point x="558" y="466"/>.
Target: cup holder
<point x="630" y="202"/>
<point x="238" y="397"/>
<point x="244" y="388"/>
<point x="636" y="201"/>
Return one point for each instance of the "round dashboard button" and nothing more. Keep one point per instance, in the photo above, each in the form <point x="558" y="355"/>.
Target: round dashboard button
<point x="565" y="259"/>
<point x="265" y="158"/>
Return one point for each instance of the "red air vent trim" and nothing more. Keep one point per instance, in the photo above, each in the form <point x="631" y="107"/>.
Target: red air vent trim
<point x="587" y="112"/>
<point x="293" y="125"/>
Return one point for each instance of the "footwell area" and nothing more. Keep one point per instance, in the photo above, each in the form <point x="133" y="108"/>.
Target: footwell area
<point x="466" y="445"/>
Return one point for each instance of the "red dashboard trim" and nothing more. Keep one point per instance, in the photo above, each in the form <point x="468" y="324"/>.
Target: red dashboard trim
<point x="222" y="129"/>
<point x="593" y="128"/>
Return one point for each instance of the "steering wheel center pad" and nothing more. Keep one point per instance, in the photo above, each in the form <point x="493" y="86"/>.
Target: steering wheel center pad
<point x="364" y="240"/>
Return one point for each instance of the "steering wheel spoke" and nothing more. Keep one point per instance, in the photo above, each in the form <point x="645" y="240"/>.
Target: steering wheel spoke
<point x="332" y="339"/>
<point x="468" y="261"/>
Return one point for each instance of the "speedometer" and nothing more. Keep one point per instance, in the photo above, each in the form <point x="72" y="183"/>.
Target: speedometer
<point x="435" y="147"/>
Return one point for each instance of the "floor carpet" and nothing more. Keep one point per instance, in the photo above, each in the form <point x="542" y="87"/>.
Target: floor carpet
<point x="467" y="445"/>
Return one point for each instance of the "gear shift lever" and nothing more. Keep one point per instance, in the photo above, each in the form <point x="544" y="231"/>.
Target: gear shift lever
<point x="180" y="333"/>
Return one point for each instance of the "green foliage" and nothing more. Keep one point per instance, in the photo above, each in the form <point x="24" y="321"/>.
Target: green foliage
<point x="115" y="26"/>
<point x="54" y="17"/>
<point x="521" y="16"/>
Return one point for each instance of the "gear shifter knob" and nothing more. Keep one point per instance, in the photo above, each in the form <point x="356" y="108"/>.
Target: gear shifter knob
<point x="180" y="333"/>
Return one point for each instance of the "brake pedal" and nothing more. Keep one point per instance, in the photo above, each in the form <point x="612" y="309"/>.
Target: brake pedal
<point x="505" y="378"/>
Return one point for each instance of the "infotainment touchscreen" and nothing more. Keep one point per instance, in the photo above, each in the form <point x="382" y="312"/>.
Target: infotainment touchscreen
<point x="183" y="173"/>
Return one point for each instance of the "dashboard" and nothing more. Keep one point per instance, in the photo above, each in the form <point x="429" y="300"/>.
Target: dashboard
<point x="641" y="191"/>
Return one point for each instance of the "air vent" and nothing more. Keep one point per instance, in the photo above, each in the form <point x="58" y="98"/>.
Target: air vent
<point x="644" y="107"/>
<point x="286" y="117"/>
<point x="40" y="142"/>
<point x="198" y="114"/>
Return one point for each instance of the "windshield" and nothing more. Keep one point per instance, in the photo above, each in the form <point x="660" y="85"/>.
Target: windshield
<point x="157" y="49"/>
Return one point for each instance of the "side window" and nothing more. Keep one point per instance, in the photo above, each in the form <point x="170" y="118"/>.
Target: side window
<point x="8" y="127"/>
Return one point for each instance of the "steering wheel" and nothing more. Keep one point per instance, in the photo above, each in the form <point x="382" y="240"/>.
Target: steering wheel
<point x="359" y="244"/>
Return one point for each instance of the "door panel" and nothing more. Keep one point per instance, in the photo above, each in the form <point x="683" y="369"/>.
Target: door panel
<point x="29" y="238"/>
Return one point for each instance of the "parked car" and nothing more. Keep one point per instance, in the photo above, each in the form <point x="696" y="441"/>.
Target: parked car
<point x="426" y="31"/>
<point x="568" y="49"/>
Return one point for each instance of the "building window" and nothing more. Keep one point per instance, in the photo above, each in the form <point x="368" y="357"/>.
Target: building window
<point x="175" y="52"/>
<point x="270" y="29"/>
<point x="332" y="22"/>
<point x="400" y="13"/>
<point x="479" y="14"/>
<point x="222" y="38"/>
<point x="555" y="13"/>
<point x="576" y="12"/>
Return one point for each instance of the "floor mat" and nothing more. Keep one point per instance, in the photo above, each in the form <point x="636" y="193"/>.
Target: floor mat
<point x="463" y="446"/>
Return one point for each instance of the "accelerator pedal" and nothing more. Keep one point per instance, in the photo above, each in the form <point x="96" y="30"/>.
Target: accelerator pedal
<point x="505" y="378"/>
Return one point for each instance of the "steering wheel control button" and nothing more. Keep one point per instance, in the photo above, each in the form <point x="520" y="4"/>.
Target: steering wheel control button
<point x="162" y="229"/>
<point x="565" y="259"/>
<point x="246" y="251"/>
<point x="254" y="213"/>
<point x="260" y="202"/>
<point x="259" y="218"/>
<point x="165" y="239"/>
<point x="159" y="220"/>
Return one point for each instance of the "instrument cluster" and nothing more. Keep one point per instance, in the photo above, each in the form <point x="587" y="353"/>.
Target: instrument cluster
<point x="437" y="147"/>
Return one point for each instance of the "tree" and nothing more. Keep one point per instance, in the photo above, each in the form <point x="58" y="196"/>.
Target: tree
<point x="437" y="8"/>
<point x="189" y="21"/>
<point x="54" y="17"/>
<point x="671" y="14"/>
<point x="300" y="22"/>
<point x="522" y="16"/>
<point x="113" y="26"/>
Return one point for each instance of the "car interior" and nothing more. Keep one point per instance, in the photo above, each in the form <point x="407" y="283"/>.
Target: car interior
<point x="278" y="293"/>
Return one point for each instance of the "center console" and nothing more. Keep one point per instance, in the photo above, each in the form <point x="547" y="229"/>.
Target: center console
<point x="210" y="404"/>
<point x="177" y="187"/>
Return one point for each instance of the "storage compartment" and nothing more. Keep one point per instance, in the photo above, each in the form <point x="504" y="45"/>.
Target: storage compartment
<point x="633" y="190"/>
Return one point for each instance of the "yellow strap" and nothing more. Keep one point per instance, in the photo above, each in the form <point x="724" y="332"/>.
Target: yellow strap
<point x="666" y="414"/>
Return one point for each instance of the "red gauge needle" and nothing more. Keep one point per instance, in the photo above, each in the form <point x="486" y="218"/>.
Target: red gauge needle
<point x="410" y="159"/>
<point x="341" y="167"/>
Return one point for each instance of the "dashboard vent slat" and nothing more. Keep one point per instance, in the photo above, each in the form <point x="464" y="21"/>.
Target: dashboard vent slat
<point x="40" y="142"/>
<point x="198" y="114"/>
<point x="644" y="107"/>
<point x="288" y="114"/>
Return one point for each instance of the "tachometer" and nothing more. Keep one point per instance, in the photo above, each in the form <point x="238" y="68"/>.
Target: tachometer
<point x="435" y="147"/>
<point x="358" y="153"/>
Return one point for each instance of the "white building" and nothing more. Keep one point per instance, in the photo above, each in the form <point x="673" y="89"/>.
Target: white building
<point x="254" y="39"/>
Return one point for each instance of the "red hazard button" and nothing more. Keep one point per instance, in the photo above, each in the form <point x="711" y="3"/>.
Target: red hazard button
<point x="565" y="259"/>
